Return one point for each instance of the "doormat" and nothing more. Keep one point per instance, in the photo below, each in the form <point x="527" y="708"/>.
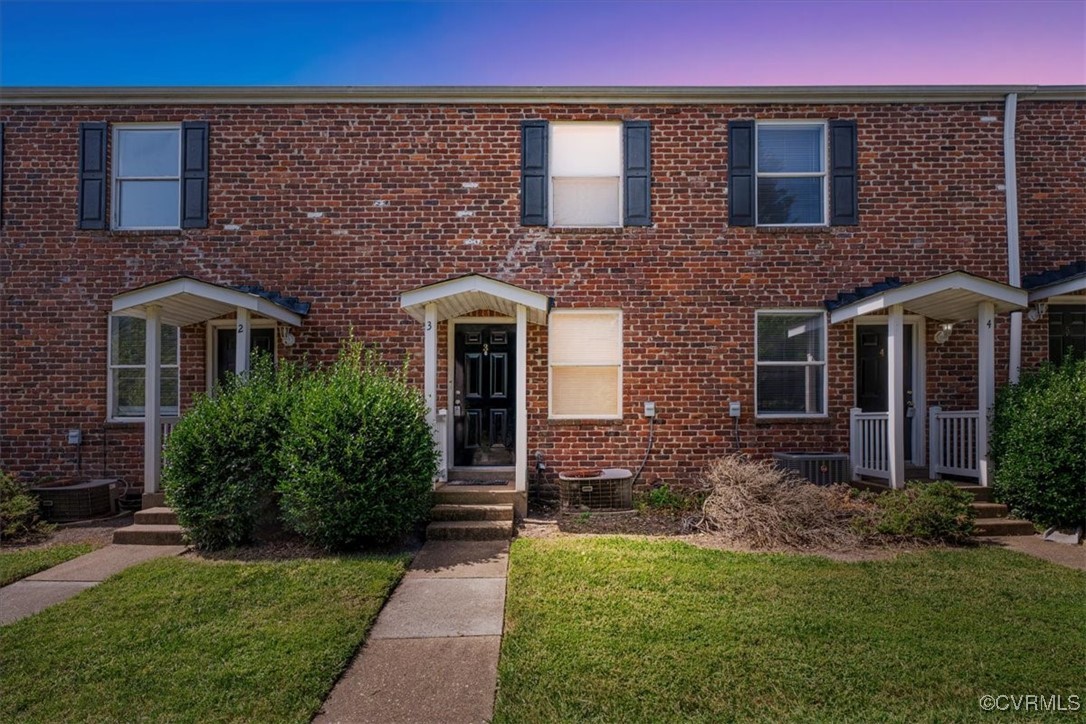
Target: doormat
<point x="477" y="482"/>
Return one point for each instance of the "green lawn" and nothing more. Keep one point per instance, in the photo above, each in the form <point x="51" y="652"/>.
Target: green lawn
<point x="184" y="640"/>
<point x="17" y="564"/>
<point x="621" y="630"/>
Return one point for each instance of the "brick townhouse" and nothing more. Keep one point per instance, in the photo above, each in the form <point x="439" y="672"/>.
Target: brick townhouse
<point x="571" y="271"/>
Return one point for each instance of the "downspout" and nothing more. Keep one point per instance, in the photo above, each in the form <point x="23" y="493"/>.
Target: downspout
<point x="1014" y="274"/>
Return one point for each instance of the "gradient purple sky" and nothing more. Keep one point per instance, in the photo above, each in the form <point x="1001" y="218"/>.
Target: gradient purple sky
<point x="809" y="42"/>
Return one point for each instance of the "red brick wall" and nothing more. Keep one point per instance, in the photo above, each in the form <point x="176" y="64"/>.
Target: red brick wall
<point x="389" y="180"/>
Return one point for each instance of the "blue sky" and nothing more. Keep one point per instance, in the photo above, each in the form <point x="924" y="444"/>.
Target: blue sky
<point x="542" y="43"/>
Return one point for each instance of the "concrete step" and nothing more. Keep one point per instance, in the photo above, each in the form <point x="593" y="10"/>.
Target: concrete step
<point x="474" y="495"/>
<point x="150" y="535"/>
<point x="155" y="516"/>
<point x="489" y="474"/>
<point x="981" y="494"/>
<point x="445" y="511"/>
<point x="470" y="530"/>
<point x="154" y="500"/>
<point x="1002" y="527"/>
<point x="990" y="510"/>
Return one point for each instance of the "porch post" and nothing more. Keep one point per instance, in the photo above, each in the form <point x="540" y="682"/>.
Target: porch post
<point x="429" y="367"/>
<point x="152" y="423"/>
<point x="521" y="452"/>
<point x="895" y="428"/>
<point x="985" y="382"/>
<point x="241" y="353"/>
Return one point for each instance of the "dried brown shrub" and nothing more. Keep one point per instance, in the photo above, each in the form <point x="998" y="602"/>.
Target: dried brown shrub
<point x="758" y="504"/>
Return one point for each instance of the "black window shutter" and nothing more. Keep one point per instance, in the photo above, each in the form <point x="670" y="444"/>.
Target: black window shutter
<point x="194" y="174"/>
<point x="92" y="175"/>
<point x="533" y="173"/>
<point x="1" y="171"/>
<point x="741" y="173"/>
<point x="637" y="174"/>
<point x="843" y="196"/>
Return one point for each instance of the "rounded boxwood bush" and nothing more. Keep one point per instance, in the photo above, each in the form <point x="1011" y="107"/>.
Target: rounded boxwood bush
<point x="19" y="513"/>
<point x="1038" y="445"/>
<point x="221" y="458"/>
<point x="358" y="459"/>
<point x="936" y="511"/>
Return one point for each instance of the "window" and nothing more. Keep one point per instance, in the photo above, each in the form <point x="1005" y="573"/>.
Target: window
<point x="586" y="174"/>
<point x="586" y="364"/>
<point x="791" y="174"/>
<point x="1066" y="332"/>
<point x="126" y="368"/>
<point x="790" y="364"/>
<point x="147" y="177"/>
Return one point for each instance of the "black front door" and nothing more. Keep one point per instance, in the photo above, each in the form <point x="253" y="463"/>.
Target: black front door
<point x="226" y="345"/>
<point x="484" y="406"/>
<point x="872" y="368"/>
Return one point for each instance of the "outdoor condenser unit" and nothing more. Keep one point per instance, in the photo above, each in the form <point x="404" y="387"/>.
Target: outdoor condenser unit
<point x="819" y="468"/>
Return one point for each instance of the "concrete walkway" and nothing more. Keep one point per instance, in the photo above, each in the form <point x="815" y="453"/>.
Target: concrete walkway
<point x="432" y="655"/>
<point x="1036" y="546"/>
<point x="59" y="583"/>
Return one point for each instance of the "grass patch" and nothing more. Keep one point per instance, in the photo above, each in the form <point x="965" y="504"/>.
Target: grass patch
<point x="613" y="629"/>
<point x="183" y="640"/>
<point x="18" y="564"/>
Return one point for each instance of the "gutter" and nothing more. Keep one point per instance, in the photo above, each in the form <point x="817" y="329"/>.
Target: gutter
<point x="1014" y="272"/>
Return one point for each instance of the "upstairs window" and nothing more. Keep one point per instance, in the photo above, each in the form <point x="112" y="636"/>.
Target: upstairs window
<point x="791" y="171"/>
<point x="147" y="177"/>
<point x="585" y="347"/>
<point x="790" y="363"/>
<point x="586" y="173"/>
<point x="127" y="374"/>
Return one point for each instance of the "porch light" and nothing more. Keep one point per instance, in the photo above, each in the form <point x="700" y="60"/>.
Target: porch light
<point x="944" y="333"/>
<point x="286" y="336"/>
<point x="1037" y="311"/>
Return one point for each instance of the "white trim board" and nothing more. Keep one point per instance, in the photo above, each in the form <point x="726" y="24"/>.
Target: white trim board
<point x="1068" y="286"/>
<point x="463" y="295"/>
<point x="187" y="301"/>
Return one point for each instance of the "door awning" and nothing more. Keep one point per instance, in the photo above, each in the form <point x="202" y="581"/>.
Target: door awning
<point x="473" y="293"/>
<point x="186" y="300"/>
<point x="951" y="297"/>
<point x="1068" y="279"/>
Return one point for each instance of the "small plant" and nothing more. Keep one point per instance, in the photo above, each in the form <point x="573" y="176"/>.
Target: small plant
<point x="221" y="459"/>
<point x="583" y="517"/>
<point x="19" y="512"/>
<point x="358" y="459"/>
<point x="937" y="512"/>
<point x="662" y="497"/>
<point x="1038" y="445"/>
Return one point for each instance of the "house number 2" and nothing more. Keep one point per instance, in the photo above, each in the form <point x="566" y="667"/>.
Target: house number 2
<point x="241" y="328"/>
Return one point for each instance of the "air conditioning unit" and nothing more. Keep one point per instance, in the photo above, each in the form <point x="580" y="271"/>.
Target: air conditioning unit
<point x="819" y="468"/>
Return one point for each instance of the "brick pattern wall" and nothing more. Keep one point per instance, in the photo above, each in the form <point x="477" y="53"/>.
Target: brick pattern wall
<point x="411" y="195"/>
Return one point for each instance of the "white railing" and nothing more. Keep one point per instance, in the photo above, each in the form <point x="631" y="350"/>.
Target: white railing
<point x="869" y="446"/>
<point x="952" y="443"/>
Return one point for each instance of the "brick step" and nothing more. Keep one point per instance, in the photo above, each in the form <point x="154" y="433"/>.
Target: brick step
<point x="470" y="530"/>
<point x="990" y="510"/>
<point x="150" y="535"/>
<point x="155" y="516"/>
<point x="1002" y="527"/>
<point x="445" y="511"/>
<point x="474" y="495"/>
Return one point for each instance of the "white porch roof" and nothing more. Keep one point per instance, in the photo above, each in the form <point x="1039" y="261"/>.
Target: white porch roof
<point x="184" y="300"/>
<point x="463" y="295"/>
<point x="952" y="297"/>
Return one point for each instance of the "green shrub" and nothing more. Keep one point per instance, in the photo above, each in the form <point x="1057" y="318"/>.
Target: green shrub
<point x="925" y="511"/>
<point x="1038" y="445"/>
<point x="221" y="459"/>
<point x="662" y="497"/>
<point x="358" y="460"/>
<point x="19" y="512"/>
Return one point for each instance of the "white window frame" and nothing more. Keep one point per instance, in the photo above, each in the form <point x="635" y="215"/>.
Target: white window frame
<point x="824" y="364"/>
<point x="824" y="174"/>
<point x="621" y="174"/>
<point x="551" y="364"/>
<point x="212" y="346"/>
<point x="115" y="165"/>
<point x="110" y="392"/>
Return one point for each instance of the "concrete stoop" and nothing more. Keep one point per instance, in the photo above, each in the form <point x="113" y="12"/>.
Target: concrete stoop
<point x="471" y="513"/>
<point x="993" y="518"/>
<point x="153" y="527"/>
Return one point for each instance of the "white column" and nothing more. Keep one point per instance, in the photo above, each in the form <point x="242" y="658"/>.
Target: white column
<point x="241" y="353"/>
<point x="429" y="371"/>
<point x="854" y="442"/>
<point x="522" y="399"/>
<point x="895" y="425"/>
<point x="985" y="381"/>
<point x="152" y="423"/>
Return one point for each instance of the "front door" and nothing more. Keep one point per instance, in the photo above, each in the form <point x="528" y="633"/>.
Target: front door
<point x="226" y="344"/>
<point x="872" y="370"/>
<point x="484" y="406"/>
